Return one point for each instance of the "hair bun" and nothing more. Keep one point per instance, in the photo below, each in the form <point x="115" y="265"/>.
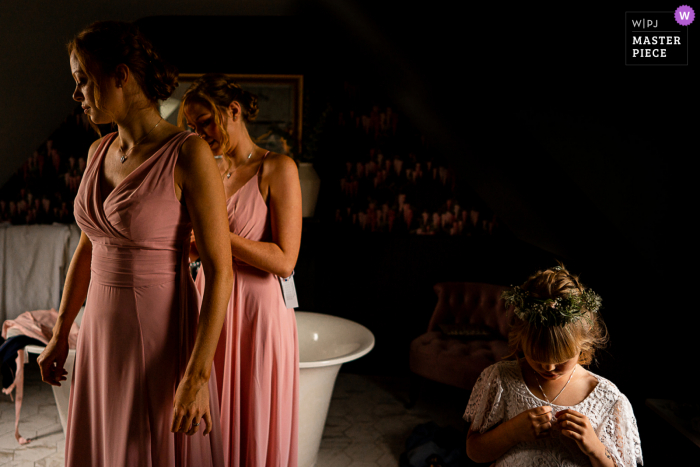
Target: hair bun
<point x="248" y="100"/>
<point x="251" y="105"/>
<point x="162" y="77"/>
<point x="104" y="45"/>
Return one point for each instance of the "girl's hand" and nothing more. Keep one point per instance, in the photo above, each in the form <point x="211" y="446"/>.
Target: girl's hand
<point x="576" y="426"/>
<point x="52" y="360"/>
<point x="533" y="424"/>
<point x="191" y="407"/>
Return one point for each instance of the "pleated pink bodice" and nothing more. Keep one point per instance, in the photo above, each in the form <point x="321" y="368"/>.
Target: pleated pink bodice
<point x="139" y="230"/>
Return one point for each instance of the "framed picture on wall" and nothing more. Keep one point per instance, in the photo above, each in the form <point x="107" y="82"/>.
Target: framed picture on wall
<point x="279" y="121"/>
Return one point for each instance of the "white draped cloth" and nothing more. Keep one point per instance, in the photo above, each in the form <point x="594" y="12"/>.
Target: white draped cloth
<point x="34" y="260"/>
<point x="501" y="394"/>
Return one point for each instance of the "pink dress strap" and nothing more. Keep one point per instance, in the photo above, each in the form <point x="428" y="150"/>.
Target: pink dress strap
<point x="262" y="161"/>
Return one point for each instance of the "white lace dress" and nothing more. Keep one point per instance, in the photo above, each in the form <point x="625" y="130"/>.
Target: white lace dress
<point x="500" y="394"/>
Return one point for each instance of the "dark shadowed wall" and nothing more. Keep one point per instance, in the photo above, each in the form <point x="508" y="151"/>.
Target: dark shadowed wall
<point x="581" y="157"/>
<point x="34" y="70"/>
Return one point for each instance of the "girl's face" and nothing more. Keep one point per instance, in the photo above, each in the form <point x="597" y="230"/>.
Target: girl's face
<point x="201" y="119"/>
<point x="552" y="371"/>
<point x="85" y="92"/>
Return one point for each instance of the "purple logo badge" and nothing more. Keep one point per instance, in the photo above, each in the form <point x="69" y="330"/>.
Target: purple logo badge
<point x="684" y="15"/>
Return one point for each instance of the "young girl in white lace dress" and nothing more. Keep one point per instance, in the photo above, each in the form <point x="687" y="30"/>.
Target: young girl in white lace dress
<point x="542" y="408"/>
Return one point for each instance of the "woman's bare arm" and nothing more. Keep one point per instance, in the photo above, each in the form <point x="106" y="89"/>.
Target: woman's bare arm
<point x="206" y="205"/>
<point x="280" y="255"/>
<point x="75" y="290"/>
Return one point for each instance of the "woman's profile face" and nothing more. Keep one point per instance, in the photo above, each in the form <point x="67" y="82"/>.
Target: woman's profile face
<point x="201" y="120"/>
<point x="85" y="92"/>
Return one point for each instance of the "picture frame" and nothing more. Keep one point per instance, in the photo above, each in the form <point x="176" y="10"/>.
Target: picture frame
<point x="278" y="126"/>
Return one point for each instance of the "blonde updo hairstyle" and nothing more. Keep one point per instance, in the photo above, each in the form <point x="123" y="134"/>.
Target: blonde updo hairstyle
<point x="104" y="45"/>
<point x="556" y="344"/>
<point x="216" y="91"/>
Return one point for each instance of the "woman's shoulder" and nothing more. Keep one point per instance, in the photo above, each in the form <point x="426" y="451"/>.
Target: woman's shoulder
<point x="275" y="162"/>
<point x="192" y="146"/>
<point x="279" y="170"/>
<point x="97" y="143"/>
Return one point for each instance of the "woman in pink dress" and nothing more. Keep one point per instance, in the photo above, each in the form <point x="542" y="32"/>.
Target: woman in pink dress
<point x="257" y="360"/>
<point x="144" y="354"/>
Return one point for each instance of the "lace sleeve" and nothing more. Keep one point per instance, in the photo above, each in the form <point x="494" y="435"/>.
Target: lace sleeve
<point x="486" y="406"/>
<point x="620" y="435"/>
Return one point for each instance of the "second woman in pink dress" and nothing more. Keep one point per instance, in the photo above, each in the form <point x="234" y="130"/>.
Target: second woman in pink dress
<point x="257" y="360"/>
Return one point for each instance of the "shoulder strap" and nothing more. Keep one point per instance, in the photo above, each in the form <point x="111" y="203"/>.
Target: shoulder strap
<point x="104" y="144"/>
<point x="261" y="162"/>
<point x="174" y="145"/>
<point x="95" y="161"/>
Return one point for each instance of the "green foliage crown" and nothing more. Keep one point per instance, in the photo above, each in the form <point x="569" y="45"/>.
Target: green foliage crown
<point x="552" y="311"/>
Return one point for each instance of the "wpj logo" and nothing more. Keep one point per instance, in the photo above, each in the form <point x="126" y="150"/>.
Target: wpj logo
<point x="640" y="23"/>
<point x="657" y="37"/>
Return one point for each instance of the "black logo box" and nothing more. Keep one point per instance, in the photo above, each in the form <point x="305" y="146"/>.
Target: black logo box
<point x="643" y="28"/>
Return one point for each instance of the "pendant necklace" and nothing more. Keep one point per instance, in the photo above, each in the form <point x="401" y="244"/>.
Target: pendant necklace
<point x="125" y="155"/>
<point x="562" y="389"/>
<point x="228" y="175"/>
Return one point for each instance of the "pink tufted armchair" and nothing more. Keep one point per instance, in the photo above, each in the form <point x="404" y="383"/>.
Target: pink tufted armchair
<point x="458" y="361"/>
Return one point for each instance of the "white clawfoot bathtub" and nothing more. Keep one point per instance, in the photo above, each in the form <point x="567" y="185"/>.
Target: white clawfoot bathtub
<point x="325" y="343"/>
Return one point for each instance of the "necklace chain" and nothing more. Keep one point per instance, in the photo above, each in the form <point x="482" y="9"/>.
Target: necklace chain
<point x="125" y="155"/>
<point x="562" y="389"/>
<point x="228" y="175"/>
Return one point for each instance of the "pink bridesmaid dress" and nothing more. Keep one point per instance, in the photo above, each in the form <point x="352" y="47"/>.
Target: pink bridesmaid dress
<point x="139" y="324"/>
<point x="257" y="359"/>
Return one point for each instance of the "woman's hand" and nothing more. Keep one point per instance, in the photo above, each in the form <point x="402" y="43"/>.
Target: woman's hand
<point x="191" y="407"/>
<point x="52" y="361"/>
<point x="533" y="424"/>
<point x="576" y="426"/>
<point x="278" y="254"/>
<point x="194" y="252"/>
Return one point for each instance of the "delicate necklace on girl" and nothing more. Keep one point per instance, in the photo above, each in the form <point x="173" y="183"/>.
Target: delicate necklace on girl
<point x="228" y="175"/>
<point x="562" y="389"/>
<point x="125" y="155"/>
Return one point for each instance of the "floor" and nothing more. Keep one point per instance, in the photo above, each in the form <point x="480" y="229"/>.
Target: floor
<point x="38" y="422"/>
<point x="367" y="424"/>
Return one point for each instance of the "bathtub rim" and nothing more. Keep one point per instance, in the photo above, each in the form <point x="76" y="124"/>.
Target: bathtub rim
<point x="362" y="351"/>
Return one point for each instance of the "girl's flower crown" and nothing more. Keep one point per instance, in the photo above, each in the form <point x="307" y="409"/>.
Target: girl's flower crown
<point x="552" y="311"/>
